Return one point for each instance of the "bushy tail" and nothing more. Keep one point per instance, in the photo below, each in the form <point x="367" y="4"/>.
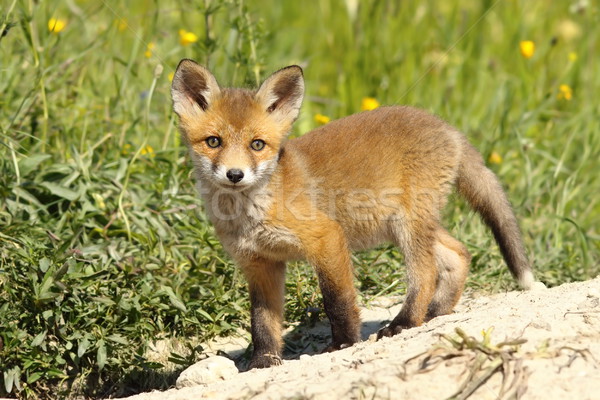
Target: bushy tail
<point x="484" y="193"/>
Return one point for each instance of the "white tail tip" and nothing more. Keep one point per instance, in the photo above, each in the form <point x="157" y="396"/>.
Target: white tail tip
<point x="528" y="282"/>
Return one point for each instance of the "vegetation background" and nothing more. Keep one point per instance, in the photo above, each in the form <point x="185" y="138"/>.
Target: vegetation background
<point x="104" y="247"/>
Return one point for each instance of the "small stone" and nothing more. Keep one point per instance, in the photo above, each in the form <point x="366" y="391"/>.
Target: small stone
<point x="212" y="369"/>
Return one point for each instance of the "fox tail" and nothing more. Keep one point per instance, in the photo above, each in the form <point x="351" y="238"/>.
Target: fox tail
<point x="483" y="191"/>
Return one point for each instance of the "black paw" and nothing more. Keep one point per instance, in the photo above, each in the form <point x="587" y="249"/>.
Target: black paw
<point x="389" y="331"/>
<point x="264" y="361"/>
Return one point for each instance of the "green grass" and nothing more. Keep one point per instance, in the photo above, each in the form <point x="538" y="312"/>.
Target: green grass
<point x="103" y="244"/>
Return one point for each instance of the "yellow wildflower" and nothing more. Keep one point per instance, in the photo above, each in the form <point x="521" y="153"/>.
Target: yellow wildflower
<point x="126" y="149"/>
<point x="565" y="92"/>
<point x="99" y="201"/>
<point x="186" y="38"/>
<point x="56" y="25"/>
<point x="527" y="48"/>
<point x="147" y="150"/>
<point x="121" y="24"/>
<point x="149" y="48"/>
<point x="369" y="103"/>
<point x="495" y="158"/>
<point x="170" y="76"/>
<point x="572" y="56"/>
<point x="322" y="119"/>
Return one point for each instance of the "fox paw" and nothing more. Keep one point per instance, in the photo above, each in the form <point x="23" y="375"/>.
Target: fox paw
<point x="334" y="347"/>
<point x="264" y="361"/>
<point x="389" y="331"/>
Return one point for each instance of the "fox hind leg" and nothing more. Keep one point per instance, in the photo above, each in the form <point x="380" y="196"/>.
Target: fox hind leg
<point x="452" y="260"/>
<point x="418" y="247"/>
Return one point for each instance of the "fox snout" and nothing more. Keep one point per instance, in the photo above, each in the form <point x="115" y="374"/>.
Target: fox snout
<point x="235" y="175"/>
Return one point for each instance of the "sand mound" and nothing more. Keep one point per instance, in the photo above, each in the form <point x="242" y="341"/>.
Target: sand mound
<point x="551" y="350"/>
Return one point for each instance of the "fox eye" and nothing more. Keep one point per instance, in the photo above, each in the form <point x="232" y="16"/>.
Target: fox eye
<point x="213" y="142"/>
<point x="257" y="145"/>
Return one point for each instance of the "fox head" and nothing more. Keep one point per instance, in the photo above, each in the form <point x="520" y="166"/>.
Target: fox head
<point x="235" y="135"/>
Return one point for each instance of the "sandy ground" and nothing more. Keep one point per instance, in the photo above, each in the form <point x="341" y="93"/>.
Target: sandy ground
<point x="553" y="352"/>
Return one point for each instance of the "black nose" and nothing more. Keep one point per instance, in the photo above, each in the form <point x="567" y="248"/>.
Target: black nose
<point x="235" y="175"/>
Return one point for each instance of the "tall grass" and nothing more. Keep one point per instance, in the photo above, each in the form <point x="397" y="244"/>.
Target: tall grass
<point x="104" y="247"/>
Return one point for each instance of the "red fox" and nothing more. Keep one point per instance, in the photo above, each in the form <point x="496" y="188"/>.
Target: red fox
<point x="373" y="177"/>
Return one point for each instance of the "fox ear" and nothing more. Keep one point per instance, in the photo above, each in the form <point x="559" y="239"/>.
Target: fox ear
<point x="281" y="94"/>
<point x="193" y="89"/>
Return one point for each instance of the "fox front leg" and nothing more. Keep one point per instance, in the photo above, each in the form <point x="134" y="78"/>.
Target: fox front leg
<point x="331" y="259"/>
<point x="266" y="283"/>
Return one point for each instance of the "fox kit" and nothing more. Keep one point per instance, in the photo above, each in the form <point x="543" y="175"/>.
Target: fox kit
<point x="378" y="176"/>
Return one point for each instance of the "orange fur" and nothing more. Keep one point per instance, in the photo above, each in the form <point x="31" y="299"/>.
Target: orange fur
<point x="378" y="176"/>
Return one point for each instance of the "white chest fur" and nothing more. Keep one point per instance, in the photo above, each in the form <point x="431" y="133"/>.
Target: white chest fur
<point x="240" y="222"/>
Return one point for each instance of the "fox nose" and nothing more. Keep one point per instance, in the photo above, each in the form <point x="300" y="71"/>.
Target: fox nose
<point x="235" y="175"/>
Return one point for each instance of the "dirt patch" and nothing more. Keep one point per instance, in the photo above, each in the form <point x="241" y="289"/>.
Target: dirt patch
<point x="542" y="344"/>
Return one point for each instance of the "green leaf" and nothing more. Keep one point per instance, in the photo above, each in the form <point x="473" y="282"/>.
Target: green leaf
<point x="39" y="339"/>
<point x="9" y="377"/>
<point x="61" y="191"/>
<point x="34" y="377"/>
<point x="43" y="292"/>
<point x="55" y="373"/>
<point x="44" y="264"/>
<point x="20" y="192"/>
<point x="82" y="347"/>
<point x="104" y="300"/>
<point x="12" y="378"/>
<point x="115" y="337"/>
<point x="175" y="301"/>
<point x="177" y="359"/>
<point x="101" y="354"/>
<point x="205" y="314"/>
<point x="28" y="164"/>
